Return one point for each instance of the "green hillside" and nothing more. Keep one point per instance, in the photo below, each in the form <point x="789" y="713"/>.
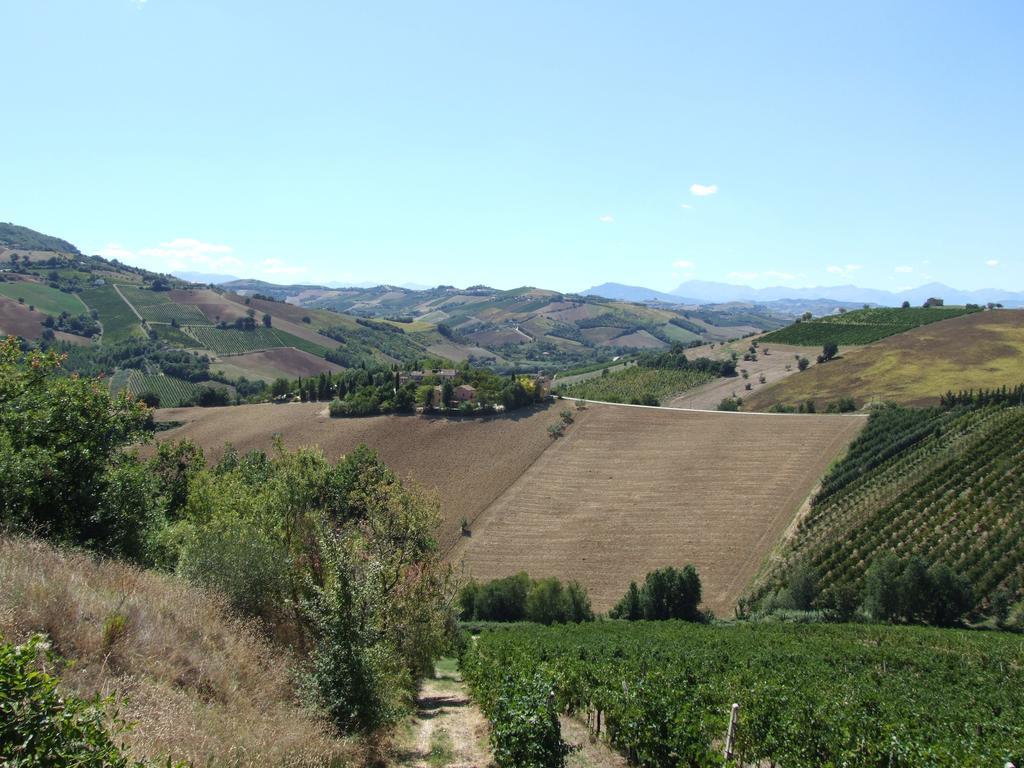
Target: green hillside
<point x="45" y="299"/>
<point x="941" y="485"/>
<point x="861" y="326"/>
<point x="21" y="238"/>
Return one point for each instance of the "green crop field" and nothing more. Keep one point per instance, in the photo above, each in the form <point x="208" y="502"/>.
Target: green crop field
<point x="184" y="314"/>
<point x="636" y="385"/>
<point x="143" y="297"/>
<point x="230" y="341"/>
<point x="157" y="307"/>
<point x="171" y="391"/>
<point x="809" y="696"/>
<point x="943" y="485"/>
<point x="173" y="335"/>
<point x="45" y="299"/>
<point x="119" y="322"/>
<point x="861" y="326"/>
<point x="289" y="340"/>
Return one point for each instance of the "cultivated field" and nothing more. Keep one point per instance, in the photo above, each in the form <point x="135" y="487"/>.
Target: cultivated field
<point x="285" y="362"/>
<point x="980" y="350"/>
<point x="117" y="318"/>
<point x="468" y="463"/>
<point x="18" y="320"/>
<point x="45" y="299"/>
<point x="628" y="490"/>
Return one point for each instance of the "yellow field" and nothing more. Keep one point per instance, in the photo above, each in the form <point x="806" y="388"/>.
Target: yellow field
<point x="982" y="350"/>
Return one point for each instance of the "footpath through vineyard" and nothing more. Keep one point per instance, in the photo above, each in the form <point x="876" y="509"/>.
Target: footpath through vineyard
<point x="450" y="731"/>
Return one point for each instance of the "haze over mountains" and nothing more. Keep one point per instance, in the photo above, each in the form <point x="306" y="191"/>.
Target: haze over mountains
<point x="706" y="292"/>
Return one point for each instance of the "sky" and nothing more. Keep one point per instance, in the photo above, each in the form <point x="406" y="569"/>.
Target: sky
<point x="556" y="144"/>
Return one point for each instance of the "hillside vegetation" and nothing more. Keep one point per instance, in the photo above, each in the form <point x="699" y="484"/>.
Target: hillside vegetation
<point x="645" y="386"/>
<point x="18" y="238"/>
<point x="199" y="684"/>
<point x="975" y="351"/>
<point x="941" y="485"/>
<point x="861" y="326"/>
<point x="809" y="696"/>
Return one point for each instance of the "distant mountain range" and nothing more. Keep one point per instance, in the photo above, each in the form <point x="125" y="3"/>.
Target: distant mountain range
<point x="705" y="292"/>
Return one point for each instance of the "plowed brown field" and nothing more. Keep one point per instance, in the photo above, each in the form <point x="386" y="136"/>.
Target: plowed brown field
<point x="625" y="491"/>
<point x="468" y="463"/>
<point x="628" y="490"/>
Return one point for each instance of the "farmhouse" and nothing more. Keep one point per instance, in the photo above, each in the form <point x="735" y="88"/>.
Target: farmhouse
<point x="465" y="393"/>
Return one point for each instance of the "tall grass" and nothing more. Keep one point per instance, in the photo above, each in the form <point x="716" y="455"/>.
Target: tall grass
<point x="200" y="685"/>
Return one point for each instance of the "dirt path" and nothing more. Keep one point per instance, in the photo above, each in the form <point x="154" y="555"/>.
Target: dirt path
<point x="448" y="731"/>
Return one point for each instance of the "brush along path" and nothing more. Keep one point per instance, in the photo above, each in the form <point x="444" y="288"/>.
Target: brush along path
<point x="632" y="489"/>
<point x="468" y="462"/>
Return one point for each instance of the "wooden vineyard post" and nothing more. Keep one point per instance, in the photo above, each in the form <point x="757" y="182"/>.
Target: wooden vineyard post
<point x="730" y="736"/>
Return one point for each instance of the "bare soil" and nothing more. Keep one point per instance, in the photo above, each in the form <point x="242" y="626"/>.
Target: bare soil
<point x="469" y="463"/>
<point x="286" y="362"/>
<point x="18" y="320"/>
<point x="629" y="490"/>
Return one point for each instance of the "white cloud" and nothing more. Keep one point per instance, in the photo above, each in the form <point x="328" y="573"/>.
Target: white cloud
<point x="683" y="264"/>
<point x="992" y="263"/>
<point x="703" y="190"/>
<point x="278" y="267"/>
<point x="904" y="270"/>
<point x="182" y="253"/>
<point x="606" y="219"/>
<point x="844" y="270"/>
<point x="687" y="206"/>
<point x="742" y="275"/>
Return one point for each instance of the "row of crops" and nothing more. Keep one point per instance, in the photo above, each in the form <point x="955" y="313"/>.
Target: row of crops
<point x="942" y="485"/>
<point x="231" y="341"/>
<point x="172" y="392"/>
<point x="647" y="386"/>
<point x="809" y="696"/>
<point x="862" y="326"/>
<point x="118" y="320"/>
<point x="157" y="307"/>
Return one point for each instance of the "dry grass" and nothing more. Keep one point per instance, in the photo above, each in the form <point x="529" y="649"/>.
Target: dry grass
<point x="980" y="350"/>
<point x="199" y="685"/>
<point x="629" y="490"/>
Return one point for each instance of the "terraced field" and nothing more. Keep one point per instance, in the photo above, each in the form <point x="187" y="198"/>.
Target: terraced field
<point x="157" y="307"/>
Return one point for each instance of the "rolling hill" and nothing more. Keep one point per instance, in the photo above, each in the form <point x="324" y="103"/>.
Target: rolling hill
<point x="941" y="484"/>
<point x="626" y="491"/>
<point x="978" y="350"/>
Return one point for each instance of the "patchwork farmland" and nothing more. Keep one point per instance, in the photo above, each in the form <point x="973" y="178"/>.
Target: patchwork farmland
<point x="625" y="491"/>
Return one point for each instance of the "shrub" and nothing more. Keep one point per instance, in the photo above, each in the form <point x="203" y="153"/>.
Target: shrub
<point x="41" y="727"/>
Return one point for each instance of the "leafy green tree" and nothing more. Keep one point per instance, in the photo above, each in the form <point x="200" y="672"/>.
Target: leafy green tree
<point x="61" y="444"/>
<point x="882" y="587"/>
<point x="629" y="607"/>
<point x="578" y="609"/>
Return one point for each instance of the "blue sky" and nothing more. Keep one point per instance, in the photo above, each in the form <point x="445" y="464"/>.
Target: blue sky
<point x="558" y="144"/>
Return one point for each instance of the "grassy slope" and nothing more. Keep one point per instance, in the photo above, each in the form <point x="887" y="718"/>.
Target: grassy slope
<point x="955" y="494"/>
<point x="199" y="685"/>
<point x="46" y="299"/>
<point x="982" y="350"/>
